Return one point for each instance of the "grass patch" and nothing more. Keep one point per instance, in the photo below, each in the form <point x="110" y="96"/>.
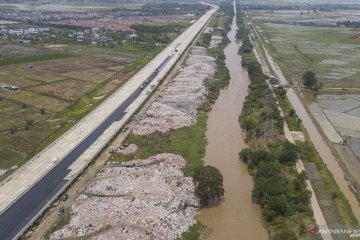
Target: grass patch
<point x="9" y="158"/>
<point x="31" y="59"/>
<point x="4" y="7"/>
<point x="333" y="203"/>
<point x="189" y="142"/>
<point x="62" y="221"/>
<point x="292" y="120"/>
<point x="193" y="233"/>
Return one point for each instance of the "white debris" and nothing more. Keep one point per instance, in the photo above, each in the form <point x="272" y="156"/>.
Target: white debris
<point x="139" y="199"/>
<point x="2" y="171"/>
<point x="131" y="148"/>
<point x="178" y="104"/>
<point x="298" y="136"/>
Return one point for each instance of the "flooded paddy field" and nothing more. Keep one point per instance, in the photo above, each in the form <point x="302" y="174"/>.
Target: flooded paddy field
<point x="339" y="117"/>
<point x="333" y="53"/>
<point x="328" y="18"/>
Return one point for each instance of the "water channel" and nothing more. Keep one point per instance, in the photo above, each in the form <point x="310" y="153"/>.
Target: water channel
<point x="236" y="217"/>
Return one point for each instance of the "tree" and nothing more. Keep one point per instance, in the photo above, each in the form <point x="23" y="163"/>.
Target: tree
<point x="254" y="155"/>
<point x="292" y="112"/>
<point x="209" y="184"/>
<point x="288" y="152"/>
<point x="309" y="79"/>
<point x="285" y="235"/>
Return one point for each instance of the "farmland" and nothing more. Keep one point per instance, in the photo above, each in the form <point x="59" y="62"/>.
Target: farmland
<point x="332" y="53"/>
<point x="61" y="86"/>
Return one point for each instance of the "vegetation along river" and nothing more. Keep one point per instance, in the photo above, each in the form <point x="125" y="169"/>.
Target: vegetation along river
<point x="236" y="217"/>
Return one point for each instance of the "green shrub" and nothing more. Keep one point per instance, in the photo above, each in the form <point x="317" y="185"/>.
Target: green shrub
<point x="209" y="184"/>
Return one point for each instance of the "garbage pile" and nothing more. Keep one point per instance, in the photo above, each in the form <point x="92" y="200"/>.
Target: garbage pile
<point x="127" y="149"/>
<point x="139" y="199"/>
<point x="178" y="103"/>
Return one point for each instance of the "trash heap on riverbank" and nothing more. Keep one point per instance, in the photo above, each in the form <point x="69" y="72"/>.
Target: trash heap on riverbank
<point x="178" y="104"/>
<point x="139" y="199"/>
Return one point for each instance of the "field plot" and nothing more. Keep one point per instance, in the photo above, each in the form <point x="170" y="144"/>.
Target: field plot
<point x="10" y="77"/>
<point x="11" y="114"/>
<point x="332" y="53"/>
<point x="16" y="51"/>
<point x="22" y="143"/>
<point x="21" y="76"/>
<point x="67" y="90"/>
<point x="339" y="117"/>
<point x="325" y="18"/>
<point x="92" y="75"/>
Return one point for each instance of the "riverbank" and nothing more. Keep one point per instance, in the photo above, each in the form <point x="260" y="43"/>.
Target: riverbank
<point x="333" y="203"/>
<point x="326" y="152"/>
<point x="280" y="183"/>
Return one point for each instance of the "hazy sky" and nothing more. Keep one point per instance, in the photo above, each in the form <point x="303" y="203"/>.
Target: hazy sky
<point x="308" y="1"/>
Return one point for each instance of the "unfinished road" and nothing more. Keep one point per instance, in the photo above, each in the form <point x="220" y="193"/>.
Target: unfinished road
<point x="29" y="191"/>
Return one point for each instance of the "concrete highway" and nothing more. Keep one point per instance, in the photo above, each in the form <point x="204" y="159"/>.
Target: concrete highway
<point x="25" y="194"/>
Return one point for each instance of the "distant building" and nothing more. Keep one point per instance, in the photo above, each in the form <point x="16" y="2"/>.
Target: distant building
<point x="16" y="31"/>
<point x="26" y="31"/>
<point x="133" y="35"/>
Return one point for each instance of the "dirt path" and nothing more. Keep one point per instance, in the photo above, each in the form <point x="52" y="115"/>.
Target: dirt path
<point x="318" y="215"/>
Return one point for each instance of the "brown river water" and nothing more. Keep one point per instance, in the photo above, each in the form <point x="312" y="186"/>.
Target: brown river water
<point x="236" y="217"/>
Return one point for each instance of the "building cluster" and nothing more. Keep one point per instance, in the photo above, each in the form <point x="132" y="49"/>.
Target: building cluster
<point x="91" y="27"/>
<point x="44" y="16"/>
<point x="118" y="23"/>
<point x="27" y="31"/>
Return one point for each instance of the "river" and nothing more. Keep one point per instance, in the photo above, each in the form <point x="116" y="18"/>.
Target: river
<point x="236" y="216"/>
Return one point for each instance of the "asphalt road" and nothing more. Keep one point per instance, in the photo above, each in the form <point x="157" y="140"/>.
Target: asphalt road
<point x="17" y="216"/>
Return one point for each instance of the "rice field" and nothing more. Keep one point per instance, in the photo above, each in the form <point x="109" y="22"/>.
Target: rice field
<point x="332" y="53"/>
